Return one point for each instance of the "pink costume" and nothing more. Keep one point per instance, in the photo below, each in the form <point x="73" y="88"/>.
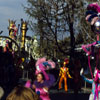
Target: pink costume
<point x="43" y="93"/>
<point x="93" y="16"/>
<point x="41" y="66"/>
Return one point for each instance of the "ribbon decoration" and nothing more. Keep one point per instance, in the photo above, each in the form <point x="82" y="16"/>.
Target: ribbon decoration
<point x="90" y="66"/>
<point x="85" y="48"/>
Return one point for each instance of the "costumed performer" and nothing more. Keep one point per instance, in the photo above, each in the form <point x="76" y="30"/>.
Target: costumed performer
<point x="63" y="74"/>
<point x="44" y="81"/>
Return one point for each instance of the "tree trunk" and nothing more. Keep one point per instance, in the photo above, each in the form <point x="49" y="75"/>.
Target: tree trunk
<point x="72" y="40"/>
<point x="41" y="36"/>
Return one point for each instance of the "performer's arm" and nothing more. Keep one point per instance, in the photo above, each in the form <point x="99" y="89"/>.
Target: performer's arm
<point x="28" y="84"/>
<point x="42" y="91"/>
<point x="87" y="80"/>
<point x="85" y="47"/>
<point x="45" y="75"/>
<point x="68" y="74"/>
<point x="60" y="73"/>
<point x="33" y="86"/>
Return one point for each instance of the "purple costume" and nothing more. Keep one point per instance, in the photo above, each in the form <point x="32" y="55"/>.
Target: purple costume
<point x="41" y="66"/>
<point x="40" y="87"/>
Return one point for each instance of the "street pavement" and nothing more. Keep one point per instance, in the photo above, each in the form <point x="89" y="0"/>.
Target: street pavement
<point x="62" y="95"/>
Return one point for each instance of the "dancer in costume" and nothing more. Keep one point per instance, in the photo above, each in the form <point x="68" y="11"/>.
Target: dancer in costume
<point x="63" y="74"/>
<point x="95" y="93"/>
<point x="93" y="16"/>
<point x="44" y="81"/>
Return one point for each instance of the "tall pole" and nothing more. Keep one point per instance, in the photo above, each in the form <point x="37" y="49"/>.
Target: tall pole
<point x="23" y="33"/>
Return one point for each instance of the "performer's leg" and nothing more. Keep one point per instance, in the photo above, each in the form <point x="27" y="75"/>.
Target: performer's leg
<point x="60" y="81"/>
<point x="91" y="97"/>
<point x="65" y="83"/>
<point x="99" y="96"/>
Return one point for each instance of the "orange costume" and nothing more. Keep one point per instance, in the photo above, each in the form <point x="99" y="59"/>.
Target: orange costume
<point x="63" y="74"/>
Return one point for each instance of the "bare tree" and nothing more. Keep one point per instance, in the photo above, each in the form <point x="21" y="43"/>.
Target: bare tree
<point x="51" y="19"/>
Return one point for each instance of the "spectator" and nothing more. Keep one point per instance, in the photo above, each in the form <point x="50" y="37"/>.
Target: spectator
<point x="22" y="93"/>
<point x="1" y="92"/>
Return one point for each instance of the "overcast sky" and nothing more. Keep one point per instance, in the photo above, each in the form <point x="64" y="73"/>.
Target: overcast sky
<point x="12" y="9"/>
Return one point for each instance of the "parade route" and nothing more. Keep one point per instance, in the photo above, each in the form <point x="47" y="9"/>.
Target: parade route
<point x="62" y="95"/>
<point x="69" y="96"/>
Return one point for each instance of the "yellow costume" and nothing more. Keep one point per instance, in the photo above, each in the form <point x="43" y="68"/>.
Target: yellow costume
<point x="63" y="74"/>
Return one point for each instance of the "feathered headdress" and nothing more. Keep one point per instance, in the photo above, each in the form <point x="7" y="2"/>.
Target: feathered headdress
<point x="92" y="13"/>
<point x="42" y="65"/>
